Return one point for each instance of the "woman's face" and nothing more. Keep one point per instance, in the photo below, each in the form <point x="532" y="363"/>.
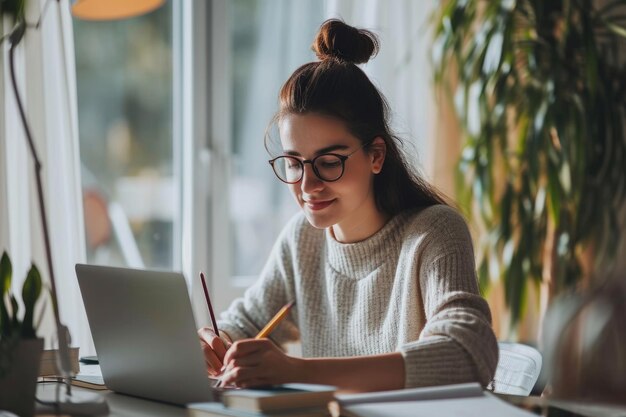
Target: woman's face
<point x="345" y="204"/>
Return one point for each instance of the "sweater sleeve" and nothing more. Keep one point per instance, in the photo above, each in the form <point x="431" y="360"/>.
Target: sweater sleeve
<point x="457" y="343"/>
<point x="274" y="288"/>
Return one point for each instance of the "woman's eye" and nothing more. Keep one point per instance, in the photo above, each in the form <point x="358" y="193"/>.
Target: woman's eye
<point x="334" y="163"/>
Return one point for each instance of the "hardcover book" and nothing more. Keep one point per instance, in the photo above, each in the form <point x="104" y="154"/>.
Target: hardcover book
<point x="218" y="410"/>
<point x="281" y="397"/>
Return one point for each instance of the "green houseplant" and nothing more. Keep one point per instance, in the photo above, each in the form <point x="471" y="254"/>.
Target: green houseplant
<point x="540" y="89"/>
<point x="20" y="349"/>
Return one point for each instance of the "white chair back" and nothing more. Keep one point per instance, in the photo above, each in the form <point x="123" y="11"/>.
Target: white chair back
<point x="518" y="369"/>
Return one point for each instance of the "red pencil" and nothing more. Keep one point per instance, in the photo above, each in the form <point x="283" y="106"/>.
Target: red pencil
<point x="208" y="302"/>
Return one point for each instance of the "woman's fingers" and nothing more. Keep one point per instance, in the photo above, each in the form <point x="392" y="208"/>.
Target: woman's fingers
<point x="214" y="363"/>
<point x="219" y="347"/>
<point x="243" y="365"/>
<point x="246" y="361"/>
<point x="245" y="347"/>
<point x="243" y="376"/>
<point x="256" y="362"/>
<point x="213" y="349"/>
<point x="206" y="334"/>
<point x="218" y="343"/>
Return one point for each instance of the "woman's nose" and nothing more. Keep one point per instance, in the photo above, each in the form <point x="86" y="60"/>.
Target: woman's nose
<point x="310" y="182"/>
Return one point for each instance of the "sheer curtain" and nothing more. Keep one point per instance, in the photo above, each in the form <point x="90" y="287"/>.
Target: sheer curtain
<point x="47" y="84"/>
<point x="402" y="69"/>
<point x="261" y="205"/>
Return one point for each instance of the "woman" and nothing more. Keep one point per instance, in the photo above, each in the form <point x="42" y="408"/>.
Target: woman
<point x="381" y="269"/>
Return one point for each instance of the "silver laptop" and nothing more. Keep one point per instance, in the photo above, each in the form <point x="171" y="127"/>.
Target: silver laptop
<point x="144" y="333"/>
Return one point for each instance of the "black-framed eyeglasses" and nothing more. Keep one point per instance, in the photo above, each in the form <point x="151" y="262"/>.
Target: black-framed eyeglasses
<point x="328" y="167"/>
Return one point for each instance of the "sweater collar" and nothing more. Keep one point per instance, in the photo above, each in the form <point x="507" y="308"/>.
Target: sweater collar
<point x="357" y="260"/>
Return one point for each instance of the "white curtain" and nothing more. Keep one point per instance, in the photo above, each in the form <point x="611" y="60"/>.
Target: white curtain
<point x="47" y="84"/>
<point x="402" y="69"/>
<point x="260" y="205"/>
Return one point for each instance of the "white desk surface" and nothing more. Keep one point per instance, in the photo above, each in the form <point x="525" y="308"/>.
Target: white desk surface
<point x="119" y="405"/>
<point x="126" y="406"/>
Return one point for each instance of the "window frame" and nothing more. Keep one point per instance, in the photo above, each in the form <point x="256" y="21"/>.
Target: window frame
<point x="203" y="131"/>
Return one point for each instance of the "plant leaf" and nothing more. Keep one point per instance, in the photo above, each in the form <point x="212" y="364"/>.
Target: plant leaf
<point x="483" y="276"/>
<point x="6" y="271"/>
<point x="616" y="29"/>
<point x="14" y="314"/>
<point x="31" y="290"/>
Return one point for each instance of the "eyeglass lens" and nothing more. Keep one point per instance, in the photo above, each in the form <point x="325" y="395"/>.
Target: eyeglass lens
<point x="326" y="167"/>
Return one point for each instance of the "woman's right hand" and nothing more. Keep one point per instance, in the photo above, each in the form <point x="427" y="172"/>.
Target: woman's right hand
<point x="214" y="349"/>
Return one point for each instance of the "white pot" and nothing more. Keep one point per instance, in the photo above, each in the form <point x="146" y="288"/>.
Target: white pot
<point x="18" y="386"/>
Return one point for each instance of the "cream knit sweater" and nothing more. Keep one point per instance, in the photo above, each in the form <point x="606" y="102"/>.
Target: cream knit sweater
<point x="411" y="287"/>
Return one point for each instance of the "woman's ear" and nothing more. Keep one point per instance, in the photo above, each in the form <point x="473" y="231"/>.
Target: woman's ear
<point x="377" y="151"/>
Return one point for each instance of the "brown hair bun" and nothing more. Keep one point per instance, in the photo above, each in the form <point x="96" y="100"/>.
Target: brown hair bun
<point x="336" y="39"/>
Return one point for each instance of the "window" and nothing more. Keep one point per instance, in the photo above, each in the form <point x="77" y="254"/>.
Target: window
<point x="175" y="175"/>
<point x="270" y="40"/>
<point x="125" y="96"/>
<point x="255" y="46"/>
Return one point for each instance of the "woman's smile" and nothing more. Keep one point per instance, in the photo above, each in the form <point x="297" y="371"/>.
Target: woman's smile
<point x="316" y="205"/>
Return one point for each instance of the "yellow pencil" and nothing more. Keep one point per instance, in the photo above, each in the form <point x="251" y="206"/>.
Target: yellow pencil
<point x="282" y="313"/>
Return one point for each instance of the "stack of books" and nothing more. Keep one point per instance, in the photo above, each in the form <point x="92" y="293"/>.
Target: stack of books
<point x="293" y="400"/>
<point x="48" y="364"/>
<point x="302" y="400"/>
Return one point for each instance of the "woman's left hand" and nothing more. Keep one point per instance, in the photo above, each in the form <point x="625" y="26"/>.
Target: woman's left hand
<point x="252" y="362"/>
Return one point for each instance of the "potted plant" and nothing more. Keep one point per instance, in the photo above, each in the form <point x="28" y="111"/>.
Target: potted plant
<point x="20" y="348"/>
<point x="540" y="89"/>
